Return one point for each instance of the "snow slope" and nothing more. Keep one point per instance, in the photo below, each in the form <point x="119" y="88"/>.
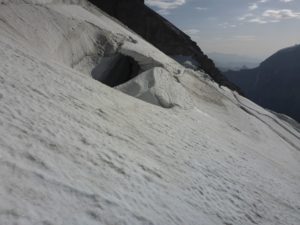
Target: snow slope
<point x="74" y="151"/>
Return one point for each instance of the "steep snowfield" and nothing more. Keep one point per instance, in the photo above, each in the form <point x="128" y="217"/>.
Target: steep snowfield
<point x="74" y="151"/>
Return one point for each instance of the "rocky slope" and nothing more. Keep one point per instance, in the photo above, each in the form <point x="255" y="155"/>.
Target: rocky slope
<point x="166" y="147"/>
<point x="275" y="83"/>
<point x="162" y="34"/>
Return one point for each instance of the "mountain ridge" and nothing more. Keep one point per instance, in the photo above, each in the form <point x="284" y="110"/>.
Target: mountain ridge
<point x="274" y="84"/>
<point x="225" y="61"/>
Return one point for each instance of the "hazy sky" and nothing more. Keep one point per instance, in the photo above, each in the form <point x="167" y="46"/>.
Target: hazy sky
<point x="247" y="27"/>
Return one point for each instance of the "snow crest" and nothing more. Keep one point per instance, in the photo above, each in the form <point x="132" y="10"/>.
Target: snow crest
<point x="158" y="87"/>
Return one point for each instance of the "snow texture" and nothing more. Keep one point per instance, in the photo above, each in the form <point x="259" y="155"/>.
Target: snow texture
<point x="181" y="151"/>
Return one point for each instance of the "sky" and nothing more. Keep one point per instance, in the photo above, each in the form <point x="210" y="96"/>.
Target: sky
<point x="256" y="28"/>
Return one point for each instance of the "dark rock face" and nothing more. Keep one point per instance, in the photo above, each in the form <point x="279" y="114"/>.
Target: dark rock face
<point x="161" y="33"/>
<point x="275" y="84"/>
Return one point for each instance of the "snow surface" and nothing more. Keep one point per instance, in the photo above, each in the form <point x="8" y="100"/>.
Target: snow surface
<point x="74" y="151"/>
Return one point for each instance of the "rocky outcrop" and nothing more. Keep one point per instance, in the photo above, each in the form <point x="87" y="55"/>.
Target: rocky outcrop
<point x="161" y="33"/>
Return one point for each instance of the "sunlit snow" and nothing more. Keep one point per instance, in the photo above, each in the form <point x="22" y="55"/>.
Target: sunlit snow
<point x="172" y="148"/>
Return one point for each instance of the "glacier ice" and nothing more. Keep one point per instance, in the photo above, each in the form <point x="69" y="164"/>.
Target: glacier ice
<point x="176" y="149"/>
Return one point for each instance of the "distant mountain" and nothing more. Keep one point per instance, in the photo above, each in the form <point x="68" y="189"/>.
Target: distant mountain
<point x="275" y="83"/>
<point x="233" y="62"/>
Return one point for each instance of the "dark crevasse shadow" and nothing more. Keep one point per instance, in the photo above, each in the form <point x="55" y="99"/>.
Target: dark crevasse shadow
<point x="115" y="70"/>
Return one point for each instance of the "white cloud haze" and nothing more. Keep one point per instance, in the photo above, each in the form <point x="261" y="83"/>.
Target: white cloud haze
<point x="253" y="6"/>
<point x="281" y="14"/>
<point x="165" y="4"/>
<point x="286" y="1"/>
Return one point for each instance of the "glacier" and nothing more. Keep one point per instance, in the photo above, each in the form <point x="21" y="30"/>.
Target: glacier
<point x="168" y="146"/>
